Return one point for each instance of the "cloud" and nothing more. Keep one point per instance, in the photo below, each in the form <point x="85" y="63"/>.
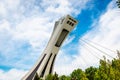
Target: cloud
<point x="61" y="8"/>
<point x="12" y="74"/>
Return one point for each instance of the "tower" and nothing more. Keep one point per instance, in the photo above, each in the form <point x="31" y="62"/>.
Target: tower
<point x="45" y="63"/>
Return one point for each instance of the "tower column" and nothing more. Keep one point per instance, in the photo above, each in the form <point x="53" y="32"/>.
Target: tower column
<point x="45" y="63"/>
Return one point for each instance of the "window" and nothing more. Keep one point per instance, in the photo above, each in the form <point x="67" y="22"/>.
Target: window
<point x="68" y="22"/>
<point x="61" y="37"/>
<point x="72" y="24"/>
<point x="72" y="20"/>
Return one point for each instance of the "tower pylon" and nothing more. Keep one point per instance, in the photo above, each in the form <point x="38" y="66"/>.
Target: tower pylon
<point x="45" y="63"/>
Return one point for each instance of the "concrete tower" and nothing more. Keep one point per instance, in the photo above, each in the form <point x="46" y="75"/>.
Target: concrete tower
<point x="45" y="63"/>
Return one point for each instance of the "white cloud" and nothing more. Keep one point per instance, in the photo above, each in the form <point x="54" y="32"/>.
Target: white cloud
<point x="12" y="74"/>
<point x="4" y="25"/>
<point x="12" y="4"/>
<point x="2" y="9"/>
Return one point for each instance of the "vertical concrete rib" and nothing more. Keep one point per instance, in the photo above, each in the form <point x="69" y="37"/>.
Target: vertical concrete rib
<point x="51" y="67"/>
<point x="31" y="76"/>
<point x="43" y="71"/>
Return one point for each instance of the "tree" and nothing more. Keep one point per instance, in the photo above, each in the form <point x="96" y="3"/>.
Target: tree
<point x="108" y="70"/>
<point x="90" y="72"/>
<point x="63" y="77"/>
<point x="102" y="71"/>
<point x="49" y="77"/>
<point x="52" y="77"/>
<point x="37" y="77"/>
<point x="116" y="68"/>
<point x="78" y="75"/>
<point x="55" y="77"/>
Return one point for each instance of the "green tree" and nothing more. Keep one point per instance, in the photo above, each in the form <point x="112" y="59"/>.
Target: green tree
<point x="103" y="70"/>
<point x="108" y="70"/>
<point x="78" y="75"/>
<point x="63" y="77"/>
<point x="37" y="77"/>
<point x="49" y="77"/>
<point x="52" y="77"/>
<point x="90" y="72"/>
<point x="116" y="68"/>
<point x="55" y="77"/>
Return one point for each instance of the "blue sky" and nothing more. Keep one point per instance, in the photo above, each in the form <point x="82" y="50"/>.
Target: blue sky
<point x="26" y="26"/>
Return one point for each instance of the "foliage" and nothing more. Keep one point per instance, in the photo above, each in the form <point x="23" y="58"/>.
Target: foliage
<point x="63" y="77"/>
<point x="37" y="77"/>
<point x="108" y="70"/>
<point x="78" y="75"/>
<point x="52" y="77"/>
<point x="90" y="72"/>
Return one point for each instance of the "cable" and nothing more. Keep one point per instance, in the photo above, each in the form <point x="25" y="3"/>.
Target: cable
<point x="97" y="48"/>
<point x="91" y="52"/>
<point x="100" y="45"/>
